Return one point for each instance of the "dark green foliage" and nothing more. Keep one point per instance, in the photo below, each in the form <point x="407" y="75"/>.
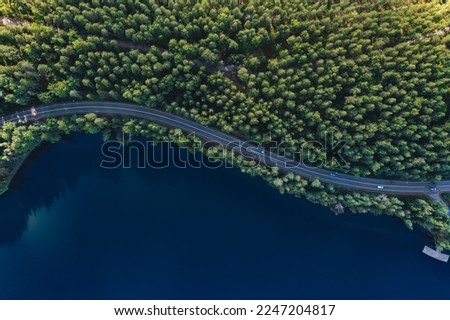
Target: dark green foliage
<point x="377" y="73"/>
<point x="446" y="197"/>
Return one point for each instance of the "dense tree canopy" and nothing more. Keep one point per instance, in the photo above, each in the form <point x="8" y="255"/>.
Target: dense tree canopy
<point x="376" y="73"/>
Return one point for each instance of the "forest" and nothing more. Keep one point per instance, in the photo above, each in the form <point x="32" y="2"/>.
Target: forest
<point x="375" y="73"/>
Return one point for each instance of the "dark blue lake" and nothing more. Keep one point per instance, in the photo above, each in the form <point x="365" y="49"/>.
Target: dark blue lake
<point x="70" y="229"/>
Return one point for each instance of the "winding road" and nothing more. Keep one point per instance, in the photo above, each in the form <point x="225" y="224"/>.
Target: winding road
<point x="431" y="189"/>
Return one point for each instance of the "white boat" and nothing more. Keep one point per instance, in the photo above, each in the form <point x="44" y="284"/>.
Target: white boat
<point x="436" y="254"/>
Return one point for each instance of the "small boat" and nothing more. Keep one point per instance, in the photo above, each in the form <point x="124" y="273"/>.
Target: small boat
<point x="436" y="254"/>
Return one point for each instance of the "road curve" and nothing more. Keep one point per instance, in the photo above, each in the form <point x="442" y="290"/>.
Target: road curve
<point x="431" y="189"/>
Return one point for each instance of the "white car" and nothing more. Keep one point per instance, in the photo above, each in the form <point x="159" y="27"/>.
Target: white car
<point x="380" y="187"/>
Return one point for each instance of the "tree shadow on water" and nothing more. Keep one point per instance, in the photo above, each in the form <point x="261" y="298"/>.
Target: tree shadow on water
<point x="53" y="171"/>
<point x="50" y="172"/>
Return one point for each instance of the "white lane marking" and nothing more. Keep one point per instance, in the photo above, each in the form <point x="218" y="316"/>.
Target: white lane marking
<point x="222" y="138"/>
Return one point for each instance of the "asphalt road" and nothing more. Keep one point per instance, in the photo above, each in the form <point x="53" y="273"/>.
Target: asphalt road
<point x="355" y="183"/>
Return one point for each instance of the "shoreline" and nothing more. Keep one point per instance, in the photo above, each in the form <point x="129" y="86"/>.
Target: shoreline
<point x="23" y="158"/>
<point x="15" y="169"/>
<point x="342" y="180"/>
<point x="19" y="165"/>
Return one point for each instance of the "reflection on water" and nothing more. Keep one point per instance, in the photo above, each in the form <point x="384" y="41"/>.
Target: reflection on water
<point x="60" y="175"/>
<point x="74" y="231"/>
<point x="57" y="177"/>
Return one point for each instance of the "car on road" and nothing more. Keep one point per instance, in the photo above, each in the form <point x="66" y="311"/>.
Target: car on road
<point x="433" y="189"/>
<point x="333" y="174"/>
<point x="380" y="187"/>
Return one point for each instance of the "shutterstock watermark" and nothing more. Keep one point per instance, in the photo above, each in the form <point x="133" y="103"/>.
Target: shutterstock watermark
<point x="162" y="154"/>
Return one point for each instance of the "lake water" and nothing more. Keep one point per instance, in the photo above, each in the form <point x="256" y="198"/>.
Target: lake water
<point x="71" y="230"/>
